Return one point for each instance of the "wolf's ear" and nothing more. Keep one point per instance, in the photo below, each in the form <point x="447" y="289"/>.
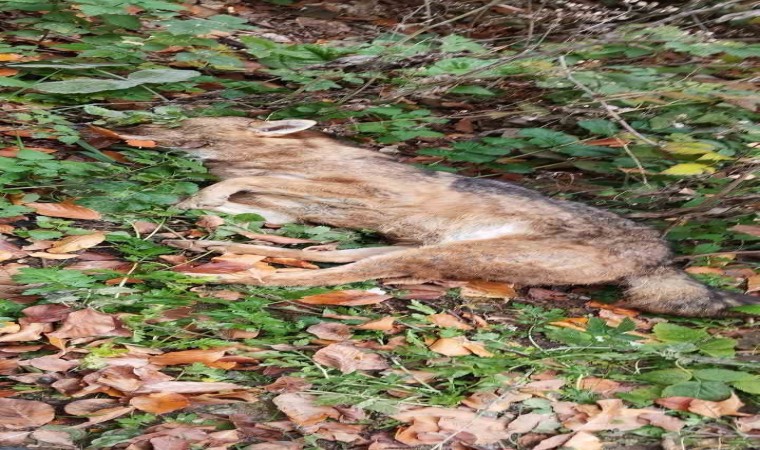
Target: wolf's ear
<point x="281" y="127"/>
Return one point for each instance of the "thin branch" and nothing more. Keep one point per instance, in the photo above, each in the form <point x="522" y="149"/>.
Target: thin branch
<point x="613" y="114"/>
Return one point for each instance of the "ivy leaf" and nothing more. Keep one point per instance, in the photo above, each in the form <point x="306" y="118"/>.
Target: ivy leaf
<point x="666" y="376"/>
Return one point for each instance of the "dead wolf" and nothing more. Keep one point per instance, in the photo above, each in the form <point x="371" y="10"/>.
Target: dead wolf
<point x="448" y="226"/>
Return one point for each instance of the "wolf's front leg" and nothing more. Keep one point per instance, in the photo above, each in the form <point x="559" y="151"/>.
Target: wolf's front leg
<point x="217" y="194"/>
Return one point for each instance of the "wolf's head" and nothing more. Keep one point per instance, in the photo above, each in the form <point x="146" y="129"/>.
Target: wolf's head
<point x="204" y="135"/>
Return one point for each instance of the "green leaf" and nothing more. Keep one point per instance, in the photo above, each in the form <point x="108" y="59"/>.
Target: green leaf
<point x="748" y="309"/>
<point x="472" y="90"/>
<point x="546" y="138"/>
<point x="688" y="148"/>
<point x="703" y="390"/>
<point x="724" y="375"/>
<point x="83" y="86"/>
<point x="718" y="347"/>
<point x="162" y="75"/>
<point x="33" y="155"/>
<point x="751" y="386"/>
<point x="666" y="376"/>
<point x="600" y="127"/>
<point x="669" y="332"/>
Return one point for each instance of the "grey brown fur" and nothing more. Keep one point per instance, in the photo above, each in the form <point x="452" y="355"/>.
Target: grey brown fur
<point x="453" y="227"/>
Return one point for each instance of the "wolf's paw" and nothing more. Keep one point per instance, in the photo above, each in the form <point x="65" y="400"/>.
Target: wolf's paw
<point x="199" y="203"/>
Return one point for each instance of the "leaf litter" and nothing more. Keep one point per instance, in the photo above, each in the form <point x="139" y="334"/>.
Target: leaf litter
<point x="101" y="332"/>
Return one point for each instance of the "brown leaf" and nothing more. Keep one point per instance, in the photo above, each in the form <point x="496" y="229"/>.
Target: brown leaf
<point x="59" y="438"/>
<point x="28" y="332"/>
<point x="160" y="403"/>
<point x="675" y="403"/>
<point x="728" y="407"/>
<point x="44" y="255"/>
<point x="89" y="406"/>
<point x="348" y="359"/>
<point x="288" y="384"/>
<point x="87" y="323"/>
<point x="66" y="210"/>
<point x="276" y="445"/>
<point x="583" y="441"/>
<point x="49" y="313"/>
<point x="433" y="425"/>
<point x="748" y="424"/>
<point x="210" y="222"/>
<point x="667" y="423"/>
<point x="448" y="321"/>
<point x="303" y="410"/>
<point x="600" y="386"/>
<point x="292" y="262"/>
<point x="141" y="143"/>
<point x="490" y="401"/>
<point x="613" y="416"/>
<point x="16" y="414"/>
<point x="459" y="346"/>
<point x="488" y="289"/>
<point x="188" y="357"/>
<point x="753" y="230"/>
<point x="525" y="423"/>
<point x="51" y="363"/>
<point x="384" y="324"/>
<point x="73" y="243"/>
<point x="13" y="437"/>
<point x="331" y="331"/>
<point x="349" y="297"/>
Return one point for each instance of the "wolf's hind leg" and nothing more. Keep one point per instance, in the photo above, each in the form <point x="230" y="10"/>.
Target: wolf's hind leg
<point x="333" y="256"/>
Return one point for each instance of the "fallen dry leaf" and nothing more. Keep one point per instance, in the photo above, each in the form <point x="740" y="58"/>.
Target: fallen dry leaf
<point x="349" y="297"/>
<point x="448" y="321"/>
<point x="73" y="243"/>
<point x="303" y="410"/>
<point x="286" y="384"/>
<point x="276" y="445"/>
<point x="433" y="425"/>
<point x="525" y="423"/>
<point x="347" y="358"/>
<point x="331" y="331"/>
<point x="60" y="439"/>
<point x="600" y="386"/>
<point x="615" y="416"/>
<point x="65" y="210"/>
<point x="160" y="402"/>
<point x="51" y="363"/>
<point x="728" y="407"/>
<point x="493" y="402"/>
<point x="188" y="357"/>
<point x="384" y="324"/>
<point x="748" y="424"/>
<point x="28" y="332"/>
<point x="13" y="437"/>
<point x="88" y="322"/>
<point x="488" y="289"/>
<point x="141" y="143"/>
<point x="459" y="346"/>
<point x="16" y="414"/>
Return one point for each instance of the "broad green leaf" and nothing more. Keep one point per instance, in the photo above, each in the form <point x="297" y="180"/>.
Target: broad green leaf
<point x="718" y="347"/>
<point x="704" y="390"/>
<point x="669" y="332"/>
<point x="454" y="43"/>
<point x="749" y="309"/>
<point x="666" y="376"/>
<point x="33" y="155"/>
<point x="713" y="156"/>
<point x="600" y="127"/>
<point x="688" y="169"/>
<point x="64" y="65"/>
<point x="751" y="386"/>
<point x="724" y="375"/>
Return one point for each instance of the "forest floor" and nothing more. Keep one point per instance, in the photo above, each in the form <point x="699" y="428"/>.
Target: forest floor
<point x="646" y="110"/>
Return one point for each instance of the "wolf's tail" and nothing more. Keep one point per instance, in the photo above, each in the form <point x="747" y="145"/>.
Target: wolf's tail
<point x="670" y="291"/>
